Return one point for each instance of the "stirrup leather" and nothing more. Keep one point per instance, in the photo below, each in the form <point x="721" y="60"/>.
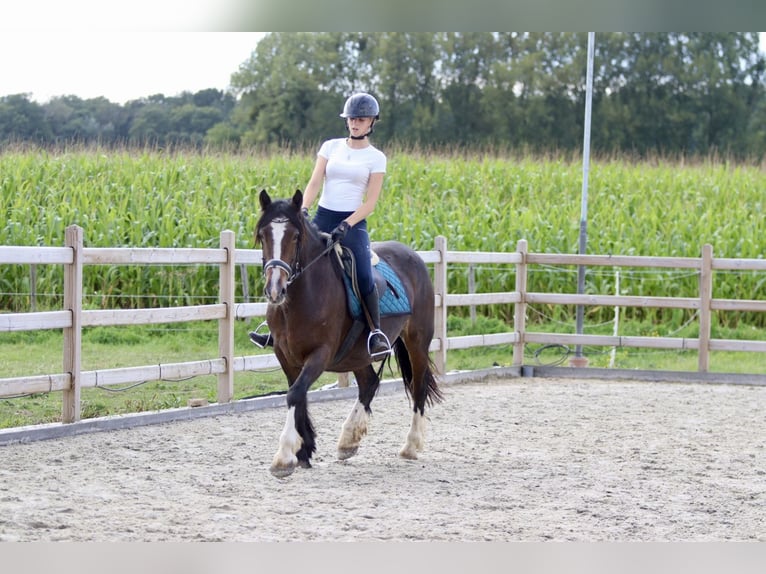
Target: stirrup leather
<point x="267" y="333"/>
<point x="380" y="354"/>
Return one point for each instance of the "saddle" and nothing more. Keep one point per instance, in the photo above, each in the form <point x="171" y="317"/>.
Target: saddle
<point x="393" y="298"/>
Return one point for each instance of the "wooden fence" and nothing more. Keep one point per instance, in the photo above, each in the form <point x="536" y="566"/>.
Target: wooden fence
<point x="73" y="318"/>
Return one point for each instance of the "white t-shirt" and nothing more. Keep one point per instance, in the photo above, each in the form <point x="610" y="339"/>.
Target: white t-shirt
<point x="347" y="173"/>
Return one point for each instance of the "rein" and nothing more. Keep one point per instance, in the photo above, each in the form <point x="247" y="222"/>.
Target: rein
<point x="300" y="270"/>
<point x="295" y="271"/>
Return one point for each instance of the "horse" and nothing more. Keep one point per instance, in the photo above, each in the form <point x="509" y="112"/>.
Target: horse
<point x="309" y="318"/>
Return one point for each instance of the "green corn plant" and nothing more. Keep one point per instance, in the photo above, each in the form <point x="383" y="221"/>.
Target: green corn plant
<point x="479" y="201"/>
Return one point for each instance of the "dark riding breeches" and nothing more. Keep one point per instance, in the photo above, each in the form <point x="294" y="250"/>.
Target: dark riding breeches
<point x="357" y="240"/>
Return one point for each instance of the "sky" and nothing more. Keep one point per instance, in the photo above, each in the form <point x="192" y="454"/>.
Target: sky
<point x="119" y="65"/>
<point x="122" y="64"/>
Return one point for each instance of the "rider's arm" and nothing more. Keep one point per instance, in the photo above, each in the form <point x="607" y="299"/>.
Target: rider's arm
<point x="315" y="182"/>
<point x="374" y="186"/>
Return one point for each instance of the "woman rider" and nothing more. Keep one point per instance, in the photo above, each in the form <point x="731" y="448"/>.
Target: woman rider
<point x="350" y="172"/>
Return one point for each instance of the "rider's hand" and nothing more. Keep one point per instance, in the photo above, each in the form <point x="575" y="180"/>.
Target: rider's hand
<point x="340" y="232"/>
<point x="305" y="211"/>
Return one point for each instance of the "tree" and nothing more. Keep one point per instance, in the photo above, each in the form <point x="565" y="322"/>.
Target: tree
<point x="285" y="90"/>
<point x="406" y="85"/>
<point x="680" y="93"/>
<point x="97" y="120"/>
<point x="677" y="93"/>
<point x="22" y="120"/>
<point x="188" y="124"/>
<point x="151" y="124"/>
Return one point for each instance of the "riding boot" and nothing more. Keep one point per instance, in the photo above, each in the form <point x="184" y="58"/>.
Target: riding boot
<point x="378" y="345"/>
<point x="261" y="340"/>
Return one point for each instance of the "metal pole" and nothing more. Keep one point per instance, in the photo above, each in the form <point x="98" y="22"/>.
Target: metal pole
<point x="580" y="360"/>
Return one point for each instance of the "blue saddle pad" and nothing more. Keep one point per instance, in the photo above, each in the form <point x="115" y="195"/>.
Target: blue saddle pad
<point x="393" y="299"/>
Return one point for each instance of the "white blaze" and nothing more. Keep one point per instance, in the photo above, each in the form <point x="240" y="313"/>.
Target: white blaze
<point x="277" y="234"/>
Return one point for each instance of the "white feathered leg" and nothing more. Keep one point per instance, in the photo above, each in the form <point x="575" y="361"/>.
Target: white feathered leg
<point x="352" y="432"/>
<point x="290" y="442"/>
<point x="416" y="438"/>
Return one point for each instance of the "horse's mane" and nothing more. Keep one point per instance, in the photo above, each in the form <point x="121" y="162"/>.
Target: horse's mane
<point x="313" y="231"/>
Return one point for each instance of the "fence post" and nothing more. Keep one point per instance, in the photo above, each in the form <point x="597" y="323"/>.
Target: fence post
<point x="343" y="380"/>
<point x="71" y="406"/>
<point x="472" y="290"/>
<point x="33" y="287"/>
<point x="520" y="309"/>
<point x="706" y="295"/>
<point x="440" y="317"/>
<point x="226" y="325"/>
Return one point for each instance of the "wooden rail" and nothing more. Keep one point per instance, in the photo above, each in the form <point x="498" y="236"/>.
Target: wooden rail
<point x="74" y="256"/>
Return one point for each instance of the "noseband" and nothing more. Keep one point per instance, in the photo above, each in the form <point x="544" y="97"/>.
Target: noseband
<point x="292" y="274"/>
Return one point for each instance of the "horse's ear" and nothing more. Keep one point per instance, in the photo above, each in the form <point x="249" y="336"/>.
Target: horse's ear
<point x="264" y="198"/>
<point x="298" y="200"/>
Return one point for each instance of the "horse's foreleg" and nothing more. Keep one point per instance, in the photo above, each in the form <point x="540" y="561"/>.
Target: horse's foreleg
<point x="416" y="438"/>
<point x="297" y="441"/>
<point x="290" y="442"/>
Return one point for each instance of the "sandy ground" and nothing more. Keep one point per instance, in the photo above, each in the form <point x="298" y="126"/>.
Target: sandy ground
<point x="514" y="460"/>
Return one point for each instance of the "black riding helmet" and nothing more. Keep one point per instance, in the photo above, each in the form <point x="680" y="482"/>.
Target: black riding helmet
<point x="361" y="105"/>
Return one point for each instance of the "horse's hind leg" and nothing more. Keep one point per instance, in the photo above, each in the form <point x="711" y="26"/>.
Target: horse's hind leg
<point x="416" y="438"/>
<point x="355" y="426"/>
<point x="418" y="377"/>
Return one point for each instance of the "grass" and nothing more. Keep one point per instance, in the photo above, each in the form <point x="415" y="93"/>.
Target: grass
<point x="40" y="352"/>
<point x="601" y="357"/>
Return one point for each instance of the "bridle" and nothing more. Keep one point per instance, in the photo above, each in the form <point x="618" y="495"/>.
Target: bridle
<point x="295" y="270"/>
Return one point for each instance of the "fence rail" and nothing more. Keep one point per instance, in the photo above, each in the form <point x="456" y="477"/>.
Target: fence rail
<point x="74" y="256"/>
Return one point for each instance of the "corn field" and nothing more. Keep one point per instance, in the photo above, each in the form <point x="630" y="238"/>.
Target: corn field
<point x="480" y="202"/>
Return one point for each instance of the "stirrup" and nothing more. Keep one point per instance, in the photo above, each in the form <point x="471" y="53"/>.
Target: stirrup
<point x="255" y="333"/>
<point x="380" y="355"/>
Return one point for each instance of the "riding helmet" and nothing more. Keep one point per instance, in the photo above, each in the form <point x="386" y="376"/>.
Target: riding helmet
<point x="361" y="105"/>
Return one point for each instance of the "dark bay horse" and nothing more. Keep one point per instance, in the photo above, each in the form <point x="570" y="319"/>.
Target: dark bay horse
<point x="309" y="320"/>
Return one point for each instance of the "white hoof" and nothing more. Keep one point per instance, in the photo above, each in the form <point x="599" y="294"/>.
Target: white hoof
<point x="282" y="469"/>
<point x="408" y="452"/>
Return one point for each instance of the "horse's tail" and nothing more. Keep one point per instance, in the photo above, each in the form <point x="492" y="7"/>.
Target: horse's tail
<point x="427" y="391"/>
<point x="403" y="360"/>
